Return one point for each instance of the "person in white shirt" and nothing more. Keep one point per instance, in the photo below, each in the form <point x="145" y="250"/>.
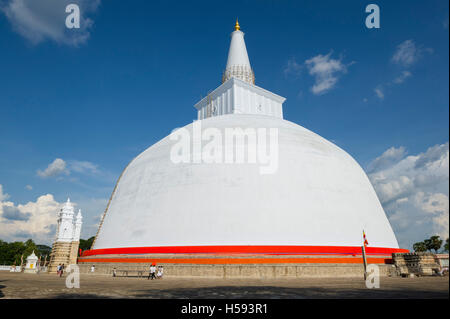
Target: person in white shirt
<point x="152" y="272"/>
<point x="93" y="268"/>
<point x="159" y="274"/>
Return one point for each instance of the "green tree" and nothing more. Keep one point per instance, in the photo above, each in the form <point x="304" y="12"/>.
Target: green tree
<point x="17" y="249"/>
<point x="420" y="247"/>
<point x="44" y="250"/>
<point x="11" y="253"/>
<point x="30" y="247"/>
<point x="446" y="245"/>
<point x="85" y="244"/>
<point x="434" y="243"/>
<point x="4" y="253"/>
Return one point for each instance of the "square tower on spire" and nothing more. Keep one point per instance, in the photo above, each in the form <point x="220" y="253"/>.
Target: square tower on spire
<point x="238" y="93"/>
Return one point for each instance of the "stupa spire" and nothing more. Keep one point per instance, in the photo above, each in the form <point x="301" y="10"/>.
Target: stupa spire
<point x="238" y="64"/>
<point x="236" y="26"/>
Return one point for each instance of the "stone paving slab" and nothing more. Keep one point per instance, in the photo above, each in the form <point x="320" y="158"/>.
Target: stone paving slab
<point x="20" y="285"/>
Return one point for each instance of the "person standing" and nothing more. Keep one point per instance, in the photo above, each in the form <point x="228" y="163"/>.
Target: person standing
<point x="159" y="274"/>
<point x="93" y="268"/>
<point x="152" y="272"/>
<point x="58" y="269"/>
<point x="149" y="272"/>
<point x="61" y="271"/>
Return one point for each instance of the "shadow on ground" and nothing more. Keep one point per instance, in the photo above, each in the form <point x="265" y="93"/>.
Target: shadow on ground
<point x="79" y="296"/>
<point x="1" y="287"/>
<point x="269" y="292"/>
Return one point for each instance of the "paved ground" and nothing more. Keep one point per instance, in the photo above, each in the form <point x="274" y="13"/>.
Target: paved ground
<point x="19" y="285"/>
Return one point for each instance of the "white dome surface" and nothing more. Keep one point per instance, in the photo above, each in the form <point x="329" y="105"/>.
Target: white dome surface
<point x="319" y="196"/>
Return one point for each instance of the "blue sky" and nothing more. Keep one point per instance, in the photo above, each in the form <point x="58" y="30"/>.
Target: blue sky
<point x="98" y="96"/>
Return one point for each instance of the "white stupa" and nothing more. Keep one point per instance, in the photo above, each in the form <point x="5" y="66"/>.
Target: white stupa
<point x="31" y="265"/>
<point x="315" y="198"/>
<point x="68" y="230"/>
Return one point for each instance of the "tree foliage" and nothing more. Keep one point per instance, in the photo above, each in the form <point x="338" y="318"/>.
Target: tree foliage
<point x="17" y="252"/>
<point x="420" y="247"/>
<point x="430" y="244"/>
<point x="433" y="243"/>
<point x="86" y="244"/>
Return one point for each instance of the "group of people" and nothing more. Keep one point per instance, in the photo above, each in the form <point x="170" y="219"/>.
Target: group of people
<point x="60" y="270"/>
<point x="155" y="272"/>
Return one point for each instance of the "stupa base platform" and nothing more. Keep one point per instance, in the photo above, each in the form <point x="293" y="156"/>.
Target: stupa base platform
<point x="236" y="270"/>
<point x="63" y="253"/>
<point x="239" y="265"/>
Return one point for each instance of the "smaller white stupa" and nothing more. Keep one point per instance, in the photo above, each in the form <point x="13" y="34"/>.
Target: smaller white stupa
<point x="68" y="225"/>
<point x="31" y="266"/>
<point x="68" y="230"/>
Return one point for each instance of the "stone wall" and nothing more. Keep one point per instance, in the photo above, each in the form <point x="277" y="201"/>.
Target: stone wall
<point x="420" y="264"/>
<point x="74" y="252"/>
<point x="242" y="271"/>
<point x="59" y="255"/>
<point x="63" y="253"/>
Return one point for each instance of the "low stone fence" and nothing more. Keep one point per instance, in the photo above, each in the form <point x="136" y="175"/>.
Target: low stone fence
<point x="243" y="271"/>
<point x="8" y="268"/>
<point x="420" y="264"/>
<point x="442" y="260"/>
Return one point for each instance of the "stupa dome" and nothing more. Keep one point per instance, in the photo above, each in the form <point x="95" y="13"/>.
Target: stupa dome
<point x="318" y="196"/>
<point x="282" y="190"/>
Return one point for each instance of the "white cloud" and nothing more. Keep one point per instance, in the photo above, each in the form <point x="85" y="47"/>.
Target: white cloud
<point x="414" y="191"/>
<point x="388" y="158"/>
<point x="29" y="187"/>
<point x="83" y="167"/>
<point x="325" y="71"/>
<point x="433" y="156"/>
<point x="42" y="20"/>
<point x="402" y="77"/>
<point x="379" y="92"/>
<point x="56" y="168"/>
<point x="61" y="167"/>
<point x="3" y="196"/>
<point x="408" y="53"/>
<point x="36" y="220"/>
<point x="380" y="89"/>
<point x="13" y="213"/>
<point x="292" y="67"/>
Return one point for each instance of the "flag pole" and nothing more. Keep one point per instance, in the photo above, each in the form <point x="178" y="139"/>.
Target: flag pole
<point x="363" y="248"/>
